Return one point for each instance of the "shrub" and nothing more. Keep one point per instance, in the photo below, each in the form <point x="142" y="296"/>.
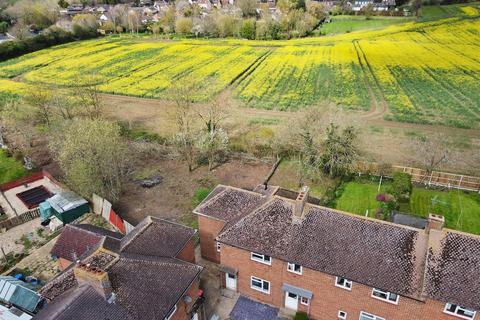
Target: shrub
<point x="247" y="30"/>
<point x="402" y="186"/>
<point x="200" y="195"/>
<point x="183" y="26"/>
<point x="300" y="315"/>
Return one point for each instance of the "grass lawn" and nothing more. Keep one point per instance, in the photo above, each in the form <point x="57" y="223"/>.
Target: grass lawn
<point x="461" y="209"/>
<point x="343" y="24"/>
<point x="10" y="168"/>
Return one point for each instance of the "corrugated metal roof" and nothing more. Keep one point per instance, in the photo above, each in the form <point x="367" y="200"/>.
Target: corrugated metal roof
<point x="65" y="201"/>
<point x="15" y="292"/>
<point x="13" y="314"/>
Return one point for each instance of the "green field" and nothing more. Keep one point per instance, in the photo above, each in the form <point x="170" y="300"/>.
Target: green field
<point x="423" y="72"/>
<point x="461" y="209"/>
<point x="10" y="168"/>
<point x="344" y="24"/>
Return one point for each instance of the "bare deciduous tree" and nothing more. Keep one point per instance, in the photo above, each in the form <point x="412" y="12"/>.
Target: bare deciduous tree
<point x="431" y="152"/>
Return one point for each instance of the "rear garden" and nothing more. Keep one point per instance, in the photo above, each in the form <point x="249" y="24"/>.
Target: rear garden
<point x="10" y="168"/>
<point x="460" y="208"/>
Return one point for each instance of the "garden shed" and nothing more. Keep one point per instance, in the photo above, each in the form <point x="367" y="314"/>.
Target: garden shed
<point x="68" y="206"/>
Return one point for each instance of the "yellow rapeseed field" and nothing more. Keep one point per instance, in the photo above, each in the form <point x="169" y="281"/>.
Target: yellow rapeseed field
<point x="426" y="72"/>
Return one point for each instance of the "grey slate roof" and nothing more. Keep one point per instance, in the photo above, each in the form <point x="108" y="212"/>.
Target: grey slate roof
<point x="246" y="309"/>
<point x="366" y="251"/>
<point x="157" y="237"/>
<point x="453" y="273"/>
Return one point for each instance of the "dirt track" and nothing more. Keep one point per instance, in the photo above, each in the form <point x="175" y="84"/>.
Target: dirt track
<point x="372" y="117"/>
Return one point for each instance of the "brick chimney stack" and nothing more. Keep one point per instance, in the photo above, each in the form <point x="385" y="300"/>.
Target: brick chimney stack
<point x="95" y="277"/>
<point x="299" y="206"/>
<point x="435" y="222"/>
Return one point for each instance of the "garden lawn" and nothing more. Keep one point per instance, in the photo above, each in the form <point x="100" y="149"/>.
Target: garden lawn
<point x="10" y="168"/>
<point x="461" y="209"/>
<point x="358" y="197"/>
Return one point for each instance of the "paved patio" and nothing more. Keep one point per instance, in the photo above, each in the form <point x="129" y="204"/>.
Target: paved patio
<point x="246" y="309"/>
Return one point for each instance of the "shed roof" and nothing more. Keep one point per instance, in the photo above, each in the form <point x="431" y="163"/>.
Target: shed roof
<point x="65" y="201"/>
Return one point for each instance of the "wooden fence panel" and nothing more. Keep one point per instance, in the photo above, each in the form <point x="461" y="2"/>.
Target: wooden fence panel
<point x="21" y="219"/>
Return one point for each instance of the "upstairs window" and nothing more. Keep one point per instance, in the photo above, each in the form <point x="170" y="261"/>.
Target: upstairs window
<point x="459" y="311"/>
<point x="295" y="268"/>
<point x="260" y="285"/>
<point x="385" y="296"/>
<point x="217" y="244"/>
<point x="262" y="258"/>
<point x="342" y="315"/>
<point x="343" y="283"/>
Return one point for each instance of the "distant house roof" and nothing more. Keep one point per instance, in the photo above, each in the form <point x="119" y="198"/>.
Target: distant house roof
<point x="146" y="285"/>
<point x="74" y="242"/>
<point x="157" y="237"/>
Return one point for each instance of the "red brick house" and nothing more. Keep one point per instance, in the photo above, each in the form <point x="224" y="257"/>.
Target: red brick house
<point x="148" y="274"/>
<point x="295" y="255"/>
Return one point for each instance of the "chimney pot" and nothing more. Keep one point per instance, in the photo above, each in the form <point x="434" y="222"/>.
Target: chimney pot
<point x="435" y="222"/>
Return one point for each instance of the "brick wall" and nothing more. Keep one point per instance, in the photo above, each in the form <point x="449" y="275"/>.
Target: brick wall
<point x="188" y="252"/>
<point x="327" y="298"/>
<point x="209" y="230"/>
<point x="182" y="307"/>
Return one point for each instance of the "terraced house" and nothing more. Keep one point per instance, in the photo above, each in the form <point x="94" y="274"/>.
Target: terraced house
<point x="281" y="248"/>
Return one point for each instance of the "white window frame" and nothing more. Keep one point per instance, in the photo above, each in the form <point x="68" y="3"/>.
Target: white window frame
<point x="262" y="281"/>
<point x="261" y="258"/>
<point x="388" y="294"/>
<point x="370" y="316"/>
<point x="342" y="315"/>
<point x="344" y="286"/>
<point x="217" y="246"/>
<point x="304" y="303"/>
<point x="169" y="316"/>
<point x="291" y="268"/>
<point x="448" y="305"/>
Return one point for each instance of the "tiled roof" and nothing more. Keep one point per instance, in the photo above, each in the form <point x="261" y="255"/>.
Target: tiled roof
<point x="73" y="242"/>
<point x="157" y="237"/>
<point x="146" y="285"/>
<point x="82" y="303"/>
<point x="100" y="231"/>
<point x="229" y="204"/>
<point x="371" y="252"/>
<point x="453" y="272"/>
<point x="145" y="288"/>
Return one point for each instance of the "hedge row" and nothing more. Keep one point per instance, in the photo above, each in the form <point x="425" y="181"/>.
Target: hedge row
<point x="51" y="37"/>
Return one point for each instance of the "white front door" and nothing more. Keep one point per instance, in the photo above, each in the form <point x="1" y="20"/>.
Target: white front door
<point x="231" y="281"/>
<point x="291" y="301"/>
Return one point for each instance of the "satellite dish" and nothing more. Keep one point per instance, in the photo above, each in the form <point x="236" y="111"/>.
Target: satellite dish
<point x="187" y="299"/>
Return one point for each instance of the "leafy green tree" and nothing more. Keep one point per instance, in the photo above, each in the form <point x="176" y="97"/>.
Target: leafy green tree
<point x="416" y="6"/>
<point x="93" y="156"/>
<point x="247" y="30"/>
<point x="339" y="151"/>
<point x="3" y="26"/>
